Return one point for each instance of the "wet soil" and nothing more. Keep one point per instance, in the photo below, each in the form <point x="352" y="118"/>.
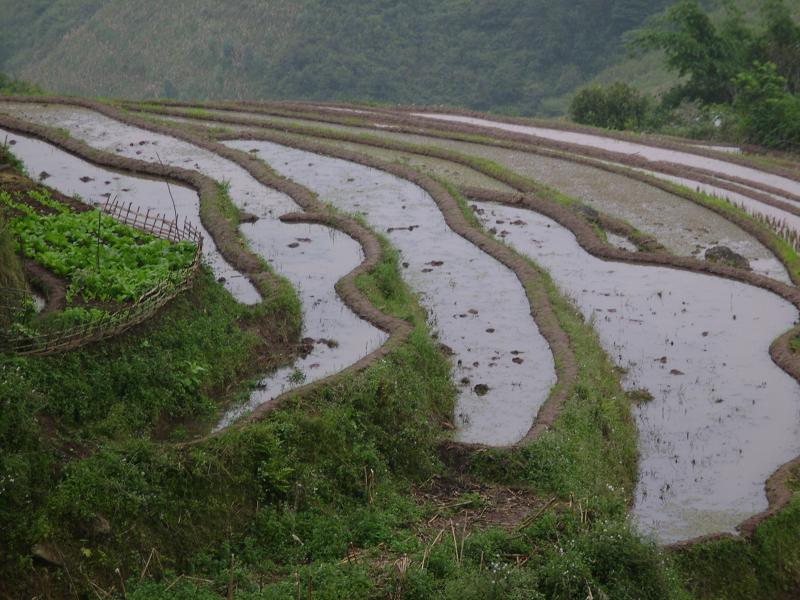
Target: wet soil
<point x="651" y="209"/>
<point x="335" y="337"/>
<point x="249" y="194"/>
<point x="777" y="504"/>
<point x="648" y="152"/>
<point x="452" y="172"/>
<point x="683" y="227"/>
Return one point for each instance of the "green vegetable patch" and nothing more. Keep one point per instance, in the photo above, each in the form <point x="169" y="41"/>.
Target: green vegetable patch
<point x="100" y="259"/>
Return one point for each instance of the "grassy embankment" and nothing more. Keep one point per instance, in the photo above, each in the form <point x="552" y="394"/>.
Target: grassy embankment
<point x="166" y="378"/>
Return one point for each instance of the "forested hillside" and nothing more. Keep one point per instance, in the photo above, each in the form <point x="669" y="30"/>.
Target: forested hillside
<point x="505" y="55"/>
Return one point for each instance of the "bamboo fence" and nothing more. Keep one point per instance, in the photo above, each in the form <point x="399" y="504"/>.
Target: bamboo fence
<point x="109" y="324"/>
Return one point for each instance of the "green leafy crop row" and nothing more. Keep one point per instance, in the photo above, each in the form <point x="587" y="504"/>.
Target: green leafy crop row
<point x="102" y="259"/>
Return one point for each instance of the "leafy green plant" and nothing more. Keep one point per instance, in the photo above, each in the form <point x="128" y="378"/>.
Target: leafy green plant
<point x="102" y="259"/>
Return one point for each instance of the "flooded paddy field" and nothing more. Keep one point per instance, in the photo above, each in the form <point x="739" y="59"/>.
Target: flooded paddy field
<point x="501" y="362"/>
<point x="650" y="153"/>
<point x="313" y="258"/>
<point x="454" y="173"/>
<point x="683" y="227"/>
<point x="722" y="417"/>
<point x="717" y="417"/>
<point x="443" y="169"/>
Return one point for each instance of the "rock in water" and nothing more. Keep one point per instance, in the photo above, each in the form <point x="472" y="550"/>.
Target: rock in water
<point x="726" y="256"/>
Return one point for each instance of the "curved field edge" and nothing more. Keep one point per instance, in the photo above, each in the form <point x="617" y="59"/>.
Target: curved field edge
<point x="553" y="205"/>
<point x="779" y="495"/>
<point x="400" y="120"/>
<point x="540" y="311"/>
<point x="753" y="156"/>
<point x="598" y="408"/>
<point x="501" y="457"/>
<point x="221" y="220"/>
<point x="765" y="235"/>
<point x="218" y="215"/>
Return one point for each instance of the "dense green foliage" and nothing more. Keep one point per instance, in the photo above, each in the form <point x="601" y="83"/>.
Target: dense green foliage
<point x="618" y="106"/>
<point x="738" y="77"/>
<point x="511" y="55"/>
<point x="708" y="56"/>
<point x="100" y="258"/>
<point x="765" y="569"/>
<point x="58" y="409"/>
<point x="285" y="500"/>
<point x="754" y="70"/>
<point x="11" y="275"/>
<point x="769" y="113"/>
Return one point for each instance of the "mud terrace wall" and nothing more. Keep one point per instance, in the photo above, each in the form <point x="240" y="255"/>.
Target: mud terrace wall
<point x="761" y="232"/>
<point x="778" y="494"/>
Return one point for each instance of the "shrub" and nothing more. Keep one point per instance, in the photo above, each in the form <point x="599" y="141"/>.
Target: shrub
<point x="769" y="113"/>
<point x="618" y="106"/>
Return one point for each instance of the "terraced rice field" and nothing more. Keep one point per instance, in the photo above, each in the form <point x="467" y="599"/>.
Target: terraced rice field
<point x="479" y="210"/>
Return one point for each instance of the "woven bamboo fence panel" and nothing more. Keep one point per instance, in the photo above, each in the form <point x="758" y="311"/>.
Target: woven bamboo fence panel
<point x="111" y="324"/>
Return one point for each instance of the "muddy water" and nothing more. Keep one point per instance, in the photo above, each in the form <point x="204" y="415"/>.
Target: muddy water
<point x="72" y="176"/>
<point x="648" y="152"/>
<point x="312" y="258"/>
<point x="683" y="227"/>
<point x="340" y="338"/>
<point x="727" y="149"/>
<point x="476" y="305"/>
<point x="39" y="302"/>
<point x="723" y="416"/>
<point x="444" y="169"/>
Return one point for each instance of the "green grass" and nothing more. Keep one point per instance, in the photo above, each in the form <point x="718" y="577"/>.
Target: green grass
<point x="765" y="568"/>
<point x="284" y="500"/>
<point x="301" y="471"/>
<point x="60" y="409"/>
<point x="287" y="497"/>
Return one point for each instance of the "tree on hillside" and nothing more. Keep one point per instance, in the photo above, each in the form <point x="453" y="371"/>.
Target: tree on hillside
<point x="751" y="73"/>
<point x="780" y="42"/>
<point x="769" y="113"/>
<point x="709" y="57"/>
